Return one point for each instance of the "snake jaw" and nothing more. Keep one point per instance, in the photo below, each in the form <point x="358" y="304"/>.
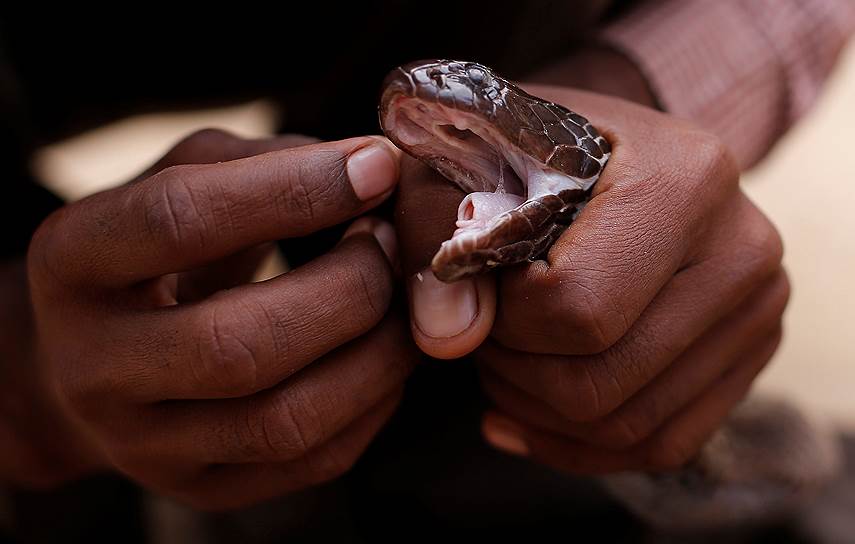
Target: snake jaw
<point x="525" y="181"/>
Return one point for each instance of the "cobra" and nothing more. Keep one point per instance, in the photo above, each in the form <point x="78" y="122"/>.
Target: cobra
<point x="528" y="166"/>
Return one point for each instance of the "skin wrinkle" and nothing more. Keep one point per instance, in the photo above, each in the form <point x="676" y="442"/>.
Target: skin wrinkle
<point x="297" y="194"/>
<point x="299" y="472"/>
<point x="278" y="334"/>
<point x="667" y="451"/>
<point x="206" y="213"/>
<point x="339" y="464"/>
<point x="656" y="450"/>
<point x="597" y="397"/>
<point x="177" y="210"/>
<point x="633" y="341"/>
<point x="739" y="351"/>
<point x="229" y="225"/>
<point x="364" y="282"/>
<point x="632" y="251"/>
<point x="295" y="439"/>
<point x="128" y="307"/>
<point x="330" y="315"/>
<point x="231" y="360"/>
<point x="593" y="311"/>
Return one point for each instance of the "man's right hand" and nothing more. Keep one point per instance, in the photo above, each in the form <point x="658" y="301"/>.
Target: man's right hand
<point x="232" y="392"/>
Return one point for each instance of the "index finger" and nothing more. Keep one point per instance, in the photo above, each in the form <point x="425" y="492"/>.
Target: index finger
<point x="188" y="215"/>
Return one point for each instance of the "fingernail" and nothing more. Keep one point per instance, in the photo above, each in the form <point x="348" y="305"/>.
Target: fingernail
<point x="504" y="435"/>
<point x="381" y="230"/>
<point x="373" y="170"/>
<point x="443" y="310"/>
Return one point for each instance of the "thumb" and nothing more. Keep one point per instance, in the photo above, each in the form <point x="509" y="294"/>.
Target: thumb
<point x="448" y="320"/>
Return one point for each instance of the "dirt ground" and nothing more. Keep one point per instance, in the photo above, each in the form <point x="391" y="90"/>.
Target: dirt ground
<point x="807" y="186"/>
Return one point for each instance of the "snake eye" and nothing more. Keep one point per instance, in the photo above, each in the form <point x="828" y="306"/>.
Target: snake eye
<point x="437" y="76"/>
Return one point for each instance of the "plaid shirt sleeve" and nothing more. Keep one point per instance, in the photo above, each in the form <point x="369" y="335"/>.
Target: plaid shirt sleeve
<point x="743" y="69"/>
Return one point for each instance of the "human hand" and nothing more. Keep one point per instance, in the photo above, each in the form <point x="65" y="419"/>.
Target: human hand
<point x="645" y="324"/>
<point x="175" y="371"/>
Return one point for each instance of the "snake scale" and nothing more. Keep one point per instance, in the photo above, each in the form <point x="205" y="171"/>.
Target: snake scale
<point x="528" y="166"/>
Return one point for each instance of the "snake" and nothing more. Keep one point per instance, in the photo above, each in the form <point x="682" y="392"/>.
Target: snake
<point x="528" y="166"/>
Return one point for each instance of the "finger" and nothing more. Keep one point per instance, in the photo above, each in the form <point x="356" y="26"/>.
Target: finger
<point x="232" y="486"/>
<point x="383" y="232"/>
<point x="450" y="320"/>
<point x="212" y="145"/>
<point x="589" y="387"/>
<point x="447" y="320"/>
<point x="713" y="355"/>
<point x="425" y="213"/>
<point x="242" y="267"/>
<point x="692" y="373"/>
<point x="640" y="227"/>
<point x="187" y="216"/>
<point x="243" y="340"/>
<point x="229" y="272"/>
<point x="287" y="421"/>
<point x="209" y="146"/>
<point x="671" y="447"/>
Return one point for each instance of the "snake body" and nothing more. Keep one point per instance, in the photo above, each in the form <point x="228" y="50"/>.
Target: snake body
<point x="528" y="166"/>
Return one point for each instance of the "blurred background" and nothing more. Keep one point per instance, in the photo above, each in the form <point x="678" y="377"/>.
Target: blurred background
<point x="807" y="187"/>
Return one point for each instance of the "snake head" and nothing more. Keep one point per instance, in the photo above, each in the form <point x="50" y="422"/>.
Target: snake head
<point x="527" y="164"/>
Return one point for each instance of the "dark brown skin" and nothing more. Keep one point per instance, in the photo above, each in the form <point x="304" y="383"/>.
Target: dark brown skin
<point x="228" y="393"/>
<point x="651" y="316"/>
<point x="71" y="395"/>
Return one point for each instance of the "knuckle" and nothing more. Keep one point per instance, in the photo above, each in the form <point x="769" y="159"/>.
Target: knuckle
<point x="589" y="315"/>
<point x="713" y="158"/>
<point x="285" y="430"/>
<point x="762" y="248"/>
<point x="620" y="432"/>
<point x="583" y="393"/>
<point x="312" y="186"/>
<point x="225" y="363"/>
<point x="174" y="215"/>
<point x="296" y="196"/>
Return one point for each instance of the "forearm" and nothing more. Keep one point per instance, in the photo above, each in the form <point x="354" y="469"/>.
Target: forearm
<point x="744" y="70"/>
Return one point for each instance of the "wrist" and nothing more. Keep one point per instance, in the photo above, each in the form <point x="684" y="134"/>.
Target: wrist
<point x="600" y="70"/>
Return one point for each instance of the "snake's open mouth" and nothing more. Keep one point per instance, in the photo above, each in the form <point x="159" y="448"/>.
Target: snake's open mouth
<point x="497" y="175"/>
<point x="526" y="164"/>
<point x="470" y="153"/>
